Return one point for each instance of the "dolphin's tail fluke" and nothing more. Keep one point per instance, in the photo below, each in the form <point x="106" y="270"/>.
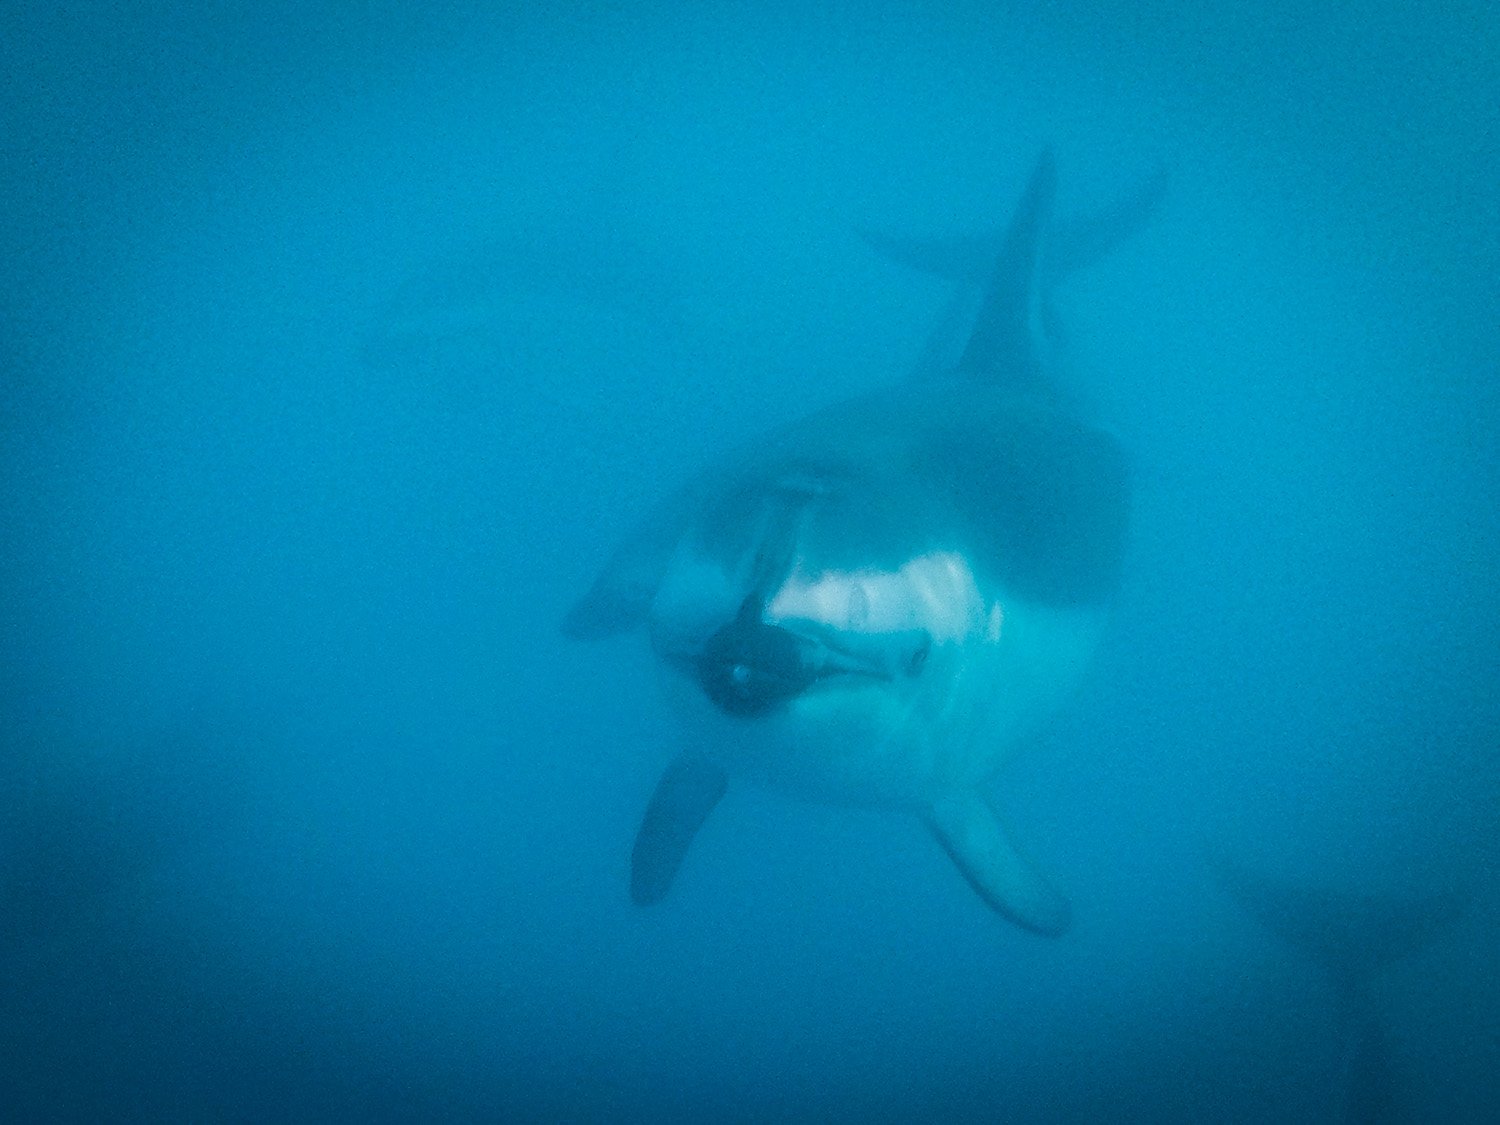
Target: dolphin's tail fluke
<point x="1073" y="243"/>
<point x="1351" y="936"/>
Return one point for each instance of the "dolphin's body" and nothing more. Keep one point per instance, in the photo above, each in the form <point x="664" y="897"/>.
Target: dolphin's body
<point x="460" y="309"/>
<point x="1352" y="937"/>
<point x="878" y="604"/>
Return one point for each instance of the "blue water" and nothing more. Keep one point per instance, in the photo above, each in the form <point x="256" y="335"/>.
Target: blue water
<point x="340" y="345"/>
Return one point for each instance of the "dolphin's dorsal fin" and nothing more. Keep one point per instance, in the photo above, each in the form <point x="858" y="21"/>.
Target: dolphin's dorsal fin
<point x="1005" y="341"/>
<point x="968" y="261"/>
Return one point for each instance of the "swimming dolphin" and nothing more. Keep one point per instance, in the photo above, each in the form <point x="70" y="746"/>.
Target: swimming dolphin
<point x="876" y="605"/>
<point x="1351" y="936"/>
<point x="461" y="308"/>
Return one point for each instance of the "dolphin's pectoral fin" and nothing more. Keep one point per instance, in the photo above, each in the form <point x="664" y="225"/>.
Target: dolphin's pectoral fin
<point x="618" y="601"/>
<point x="685" y="795"/>
<point x="621" y="596"/>
<point x="973" y="838"/>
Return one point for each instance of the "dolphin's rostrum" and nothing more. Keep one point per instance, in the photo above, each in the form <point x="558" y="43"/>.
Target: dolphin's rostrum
<point x="877" y="604"/>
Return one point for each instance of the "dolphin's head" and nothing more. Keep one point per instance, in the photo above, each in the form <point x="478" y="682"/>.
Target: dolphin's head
<point x="781" y="589"/>
<point x="834" y="633"/>
<point x="818" y="625"/>
<point x="759" y="661"/>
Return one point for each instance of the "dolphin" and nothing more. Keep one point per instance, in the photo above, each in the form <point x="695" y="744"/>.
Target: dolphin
<point x="1351" y="936"/>
<point x="457" y="309"/>
<point x="878" y="604"/>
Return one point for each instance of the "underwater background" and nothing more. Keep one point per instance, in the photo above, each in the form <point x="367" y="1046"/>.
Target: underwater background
<point x="342" y="342"/>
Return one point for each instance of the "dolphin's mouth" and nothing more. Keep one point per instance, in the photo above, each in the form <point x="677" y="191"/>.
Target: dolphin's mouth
<point x="752" y="666"/>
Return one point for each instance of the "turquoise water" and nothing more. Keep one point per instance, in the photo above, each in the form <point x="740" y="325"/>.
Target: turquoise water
<point x="341" y="347"/>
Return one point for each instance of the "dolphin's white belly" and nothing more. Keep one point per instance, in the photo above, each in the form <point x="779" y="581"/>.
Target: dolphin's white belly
<point x="940" y="719"/>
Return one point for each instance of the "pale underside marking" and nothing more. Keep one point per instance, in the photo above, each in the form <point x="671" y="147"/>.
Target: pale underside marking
<point x="935" y="592"/>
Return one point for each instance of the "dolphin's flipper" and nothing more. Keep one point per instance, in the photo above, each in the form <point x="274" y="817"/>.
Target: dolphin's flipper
<point x="685" y="795"/>
<point x="621" y="596"/>
<point x="966" y="827"/>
